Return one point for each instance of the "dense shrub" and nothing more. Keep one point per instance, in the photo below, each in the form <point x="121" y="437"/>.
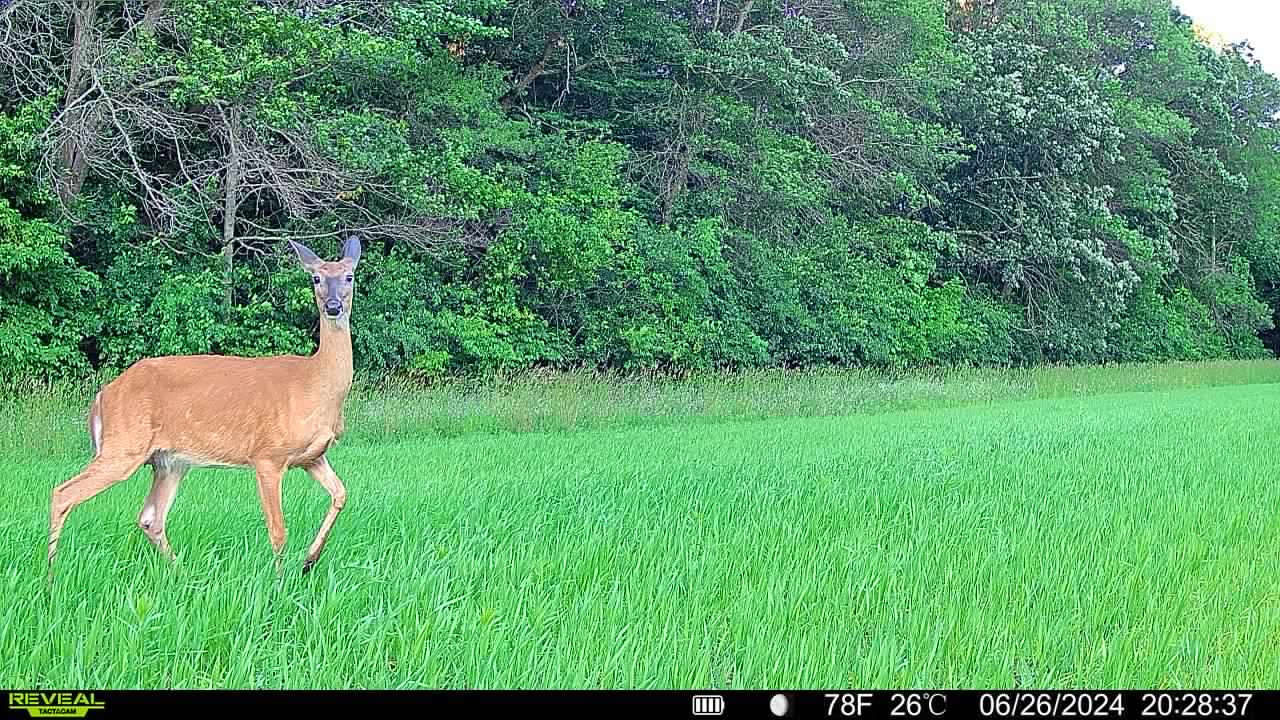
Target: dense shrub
<point x="640" y="186"/>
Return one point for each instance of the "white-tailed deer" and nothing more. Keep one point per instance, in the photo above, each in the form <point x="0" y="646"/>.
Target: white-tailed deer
<point x="266" y="413"/>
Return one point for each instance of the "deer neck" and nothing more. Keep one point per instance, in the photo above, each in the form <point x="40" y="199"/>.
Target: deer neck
<point x="332" y="361"/>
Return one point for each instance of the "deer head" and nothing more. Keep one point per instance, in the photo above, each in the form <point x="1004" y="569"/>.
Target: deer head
<point x="333" y="281"/>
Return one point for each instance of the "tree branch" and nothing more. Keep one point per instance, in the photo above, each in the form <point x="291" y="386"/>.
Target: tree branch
<point x="555" y="41"/>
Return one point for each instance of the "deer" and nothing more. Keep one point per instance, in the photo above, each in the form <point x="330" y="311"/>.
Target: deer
<point x="269" y="414"/>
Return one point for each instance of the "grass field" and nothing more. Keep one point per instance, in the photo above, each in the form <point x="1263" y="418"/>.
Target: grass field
<point x="1099" y="527"/>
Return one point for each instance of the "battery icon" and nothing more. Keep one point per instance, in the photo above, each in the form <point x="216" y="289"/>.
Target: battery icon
<point x="708" y="705"/>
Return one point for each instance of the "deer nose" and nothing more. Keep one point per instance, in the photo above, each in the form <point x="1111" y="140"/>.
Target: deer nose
<point x="333" y="308"/>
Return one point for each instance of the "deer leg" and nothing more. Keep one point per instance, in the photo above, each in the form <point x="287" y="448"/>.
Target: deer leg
<point x="321" y="472"/>
<point x="156" y="509"/>
<point x="100" y="474"/>
<point x="270" y="475"/>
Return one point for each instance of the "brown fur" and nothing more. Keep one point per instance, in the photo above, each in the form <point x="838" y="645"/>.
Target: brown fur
<point x="269" y="414"/>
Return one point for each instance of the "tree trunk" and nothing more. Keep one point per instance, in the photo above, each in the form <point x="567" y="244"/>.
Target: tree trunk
<point x="71" y="154"/>
<point x="230" y="206"/>
<point x="742" y="16"/>
<point x="676" y="184"/>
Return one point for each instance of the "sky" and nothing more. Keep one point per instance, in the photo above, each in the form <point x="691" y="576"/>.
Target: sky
<point x="1257" y="21"/>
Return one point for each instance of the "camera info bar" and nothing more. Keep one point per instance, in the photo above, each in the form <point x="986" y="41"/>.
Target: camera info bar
<point x="682" y="704"/>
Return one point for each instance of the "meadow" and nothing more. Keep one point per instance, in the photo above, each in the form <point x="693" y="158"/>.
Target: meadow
<point x="1055" y="527"/>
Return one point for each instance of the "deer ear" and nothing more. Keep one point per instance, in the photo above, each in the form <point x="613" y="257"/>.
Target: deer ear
<point x="305" y="256"/>
<point x="352" y="250"/>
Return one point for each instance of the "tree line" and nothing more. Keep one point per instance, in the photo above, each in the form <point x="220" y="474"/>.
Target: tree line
<point x="670" y="184"/>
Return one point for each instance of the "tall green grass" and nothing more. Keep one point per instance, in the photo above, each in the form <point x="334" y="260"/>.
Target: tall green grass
<point x="40" y="418"/>
<point x="1049" y="528"/>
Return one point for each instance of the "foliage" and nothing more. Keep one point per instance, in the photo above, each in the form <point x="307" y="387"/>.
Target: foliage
<point x="46" y="295"/>
<point x="636" y="186"/>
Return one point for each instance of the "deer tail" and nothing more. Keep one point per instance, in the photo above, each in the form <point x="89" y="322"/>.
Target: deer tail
<point x="95" y="423"/>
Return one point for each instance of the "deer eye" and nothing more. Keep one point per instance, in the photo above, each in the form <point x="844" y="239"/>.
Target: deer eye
<point x="350" y="278"/>
<point x="315" y="279"/>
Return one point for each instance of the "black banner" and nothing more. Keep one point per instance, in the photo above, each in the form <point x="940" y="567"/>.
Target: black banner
<point x="732" y="705"/>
